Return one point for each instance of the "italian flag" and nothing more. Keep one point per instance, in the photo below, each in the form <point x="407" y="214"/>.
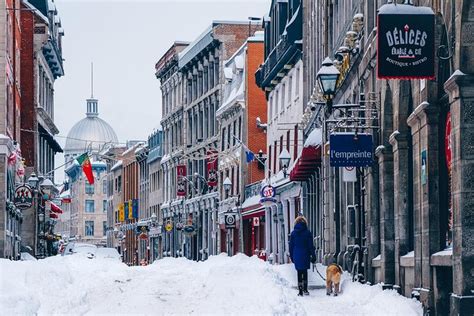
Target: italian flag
<point x="86" y="165"/>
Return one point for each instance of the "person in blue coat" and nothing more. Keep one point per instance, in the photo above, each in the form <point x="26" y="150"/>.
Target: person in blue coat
<point x="302" y="252"/>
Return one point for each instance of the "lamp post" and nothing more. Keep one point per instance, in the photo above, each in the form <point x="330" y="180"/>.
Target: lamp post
<point x="284" y="161"/>
<point x="328" y="77"/>
<point x="227" y="187"/>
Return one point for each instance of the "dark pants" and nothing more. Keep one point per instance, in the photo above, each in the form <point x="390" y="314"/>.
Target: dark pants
<point x="303" y="279"/>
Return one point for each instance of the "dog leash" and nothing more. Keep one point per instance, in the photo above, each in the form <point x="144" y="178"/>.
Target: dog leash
<point x="318" y="272"/>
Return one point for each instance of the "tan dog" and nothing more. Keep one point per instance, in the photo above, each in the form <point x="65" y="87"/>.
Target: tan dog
<point x="333" y="278"/>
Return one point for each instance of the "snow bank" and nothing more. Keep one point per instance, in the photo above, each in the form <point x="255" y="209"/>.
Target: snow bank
<point x="222" y="285"/>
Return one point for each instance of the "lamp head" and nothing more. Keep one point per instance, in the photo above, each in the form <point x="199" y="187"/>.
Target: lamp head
<point x="328" y="76"/>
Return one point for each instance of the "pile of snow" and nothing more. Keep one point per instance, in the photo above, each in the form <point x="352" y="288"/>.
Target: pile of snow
<point x="222" y="285"/>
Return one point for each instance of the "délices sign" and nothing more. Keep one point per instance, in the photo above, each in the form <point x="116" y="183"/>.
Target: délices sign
<point x="405" y="43"/>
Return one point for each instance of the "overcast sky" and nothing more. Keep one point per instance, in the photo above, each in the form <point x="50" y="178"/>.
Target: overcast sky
<point x="124" y="40"/>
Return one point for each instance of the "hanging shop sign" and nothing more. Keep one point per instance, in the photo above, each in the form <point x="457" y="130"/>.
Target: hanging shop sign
<point x="121" y="213"/>
<point x="267" y="195"/>
<point x="168" y="226"/>
<point x="181" y="180"/>
<point x="142" y="229"/>
<point x="256" y="221"/>
<point x="230" y="220"/>
<point x="212" y="168"/>
<point x="447" y="142"/>
<point x="349" y="174"/>
<point x="405" y="42"/>
<point x="23" y="197"/>
<point x="135" y="208"/>
<point x="130" y="209"/>
<point x="189" y="229"/>
<point x="350" y="150"/>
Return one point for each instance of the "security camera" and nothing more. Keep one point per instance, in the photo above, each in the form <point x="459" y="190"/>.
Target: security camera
<point x="312" y="107"/>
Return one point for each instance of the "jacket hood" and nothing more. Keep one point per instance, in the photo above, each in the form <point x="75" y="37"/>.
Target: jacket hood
<point x="301" y="226"/>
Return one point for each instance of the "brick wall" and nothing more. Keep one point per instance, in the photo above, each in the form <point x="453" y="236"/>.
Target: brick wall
<point x="256" y="107"/>
<point x="28" y="118"/>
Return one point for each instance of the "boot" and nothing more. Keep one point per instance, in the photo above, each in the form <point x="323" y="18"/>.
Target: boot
<point x="300" y="289"/>
<point x="305" y="288"/>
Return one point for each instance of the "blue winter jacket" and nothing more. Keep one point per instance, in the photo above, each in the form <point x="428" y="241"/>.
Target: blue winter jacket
<point x="301" y="246"/>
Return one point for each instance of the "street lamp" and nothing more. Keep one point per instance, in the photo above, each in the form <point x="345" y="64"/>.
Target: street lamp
<point x="284" y="160"/>
<point x="153" y="219"/>
<point x="33" y="180"/>
<point x="47" y="187"/>
<point x="327" y="76"/>
<point x="227" y="185"/>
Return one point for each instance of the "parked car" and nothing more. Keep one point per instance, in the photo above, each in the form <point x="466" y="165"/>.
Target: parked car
<point x="108" y="253"/>
<point x="80" y="248"/>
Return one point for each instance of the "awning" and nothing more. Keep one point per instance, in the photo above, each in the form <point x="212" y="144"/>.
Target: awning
<point x="252" y="207"/>
<point x="56" y="209"/>
<point x="310" y="157"/>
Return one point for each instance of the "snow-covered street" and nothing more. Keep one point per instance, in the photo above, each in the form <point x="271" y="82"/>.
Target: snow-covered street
<point x="222" y="285"/>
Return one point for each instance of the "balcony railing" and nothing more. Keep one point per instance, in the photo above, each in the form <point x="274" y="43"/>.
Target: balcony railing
<point x="283" y="53"/>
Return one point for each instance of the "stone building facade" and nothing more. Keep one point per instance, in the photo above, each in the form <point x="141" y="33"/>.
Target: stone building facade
<point x="281" y="76"/>
<point x="197" y="73"/>
<point x="173" y="132"/>
<point x="411" y="207"/>
<point x="88" y="208"/>
<point x="155" y="197"/>
<point x="202" y="67"/>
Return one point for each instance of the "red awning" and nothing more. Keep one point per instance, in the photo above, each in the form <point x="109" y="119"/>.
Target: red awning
<point x="56" y="209"/>
<point x="310" y="157"/>
<point x="53" y="215"/>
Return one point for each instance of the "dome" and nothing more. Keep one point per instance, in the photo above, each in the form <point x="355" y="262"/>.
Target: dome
<point x="90" y="131"/>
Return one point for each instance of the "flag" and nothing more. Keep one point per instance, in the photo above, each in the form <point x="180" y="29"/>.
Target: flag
<point x="125" y="205"/>
<point x="135" y="208"/>
<point x="121" y="213"/>
<point x="66" y="200"/>
<point x="130" y="209"/>
<point x="250" y="156"/>
<point x="86" y="165"/>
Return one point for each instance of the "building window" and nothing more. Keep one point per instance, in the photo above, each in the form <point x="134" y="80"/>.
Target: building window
<point x="283" y="97"/>
<point x="234" y="129"/>
<point x="104" y="227"/>
<point x="288" y="140"/>
<point x="90" y="206"/>
<point x="297" y="82"/>
<point x="89" y="228"/>
<point x="290" y="85"/>
<point x="119" y="183"/>
<point x="104" y="205"/>
<point x="89" y="188"/>
<point x="104" y="186"/>
<point x="223" y="139"/>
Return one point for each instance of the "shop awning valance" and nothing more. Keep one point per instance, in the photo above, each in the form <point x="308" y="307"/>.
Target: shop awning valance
<point x="310" y="157"/>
